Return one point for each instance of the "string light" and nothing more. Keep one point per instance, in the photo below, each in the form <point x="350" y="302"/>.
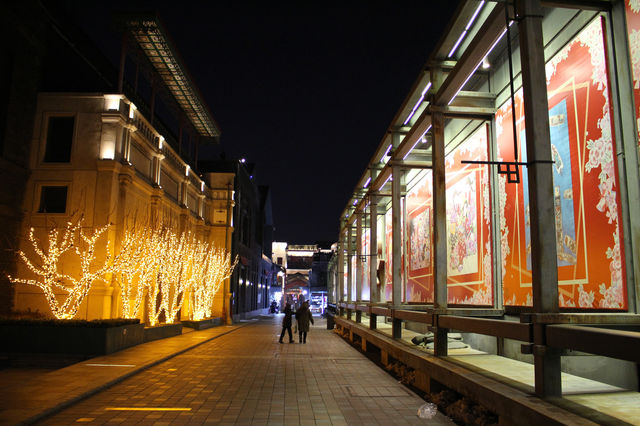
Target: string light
<point x="151" y="261"/>
<point x="50" y="279"/>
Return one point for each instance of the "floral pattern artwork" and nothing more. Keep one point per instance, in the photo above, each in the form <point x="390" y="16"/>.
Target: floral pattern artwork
<point x="366" y="259"/>
<point x="462" y="234"/>
<point x="590" y="257"/>
<point x="469" y="253"/>
<point x="388" y="266"/>
<point x="419" y="245"/>
<point x="354" y="272"/>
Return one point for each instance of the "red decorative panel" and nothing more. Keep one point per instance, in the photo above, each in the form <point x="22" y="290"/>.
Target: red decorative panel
<point x="589" y="234"/>
<point x="469" y="254"/>
<point x="419" y="241"/>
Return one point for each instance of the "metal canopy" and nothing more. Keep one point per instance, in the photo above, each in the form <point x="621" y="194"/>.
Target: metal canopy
<point x="150" y="36"/>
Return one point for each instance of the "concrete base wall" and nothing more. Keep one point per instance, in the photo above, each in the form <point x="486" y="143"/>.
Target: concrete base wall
<point x="70" y="340"/>
<point x="202" y="324"/>
<point x="162" y="331"/>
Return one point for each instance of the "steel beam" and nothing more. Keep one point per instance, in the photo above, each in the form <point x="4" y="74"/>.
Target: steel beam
<point x="396" y="223"/>
<point x="489" y="327"/>
<point x="416" y="316"/>
<point x="341" y="247"/>
<point x="379" y="310"/>
<point x="373" y="249"/>
<point x="542" y="210"/>
<point x="359" y="265"/>
<point x="618" y="344"/>
<point x="439" y="229"/>
<point x="349" y="264"/>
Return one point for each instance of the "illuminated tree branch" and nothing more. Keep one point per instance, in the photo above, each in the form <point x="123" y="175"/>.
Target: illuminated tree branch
<point x="48" y="276"/>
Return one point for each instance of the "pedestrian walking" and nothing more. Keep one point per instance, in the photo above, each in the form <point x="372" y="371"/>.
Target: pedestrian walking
<point x="286" y="323"/>
<point x="304" y="317"/>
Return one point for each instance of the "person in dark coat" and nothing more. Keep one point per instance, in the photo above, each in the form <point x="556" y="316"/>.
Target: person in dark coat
<point x="286" y="322"/>
<point x="303" y="315"/>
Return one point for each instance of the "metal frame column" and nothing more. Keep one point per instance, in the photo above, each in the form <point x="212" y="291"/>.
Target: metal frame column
<point x="542" y="212"/>
<point x="626" y="147"/>
<point x="359" y="266"/>
<point x="396" y="262"/>
<point x="340" y="277"/>
<point x="374" y="297"/>
<point x="439" y="229"/>
<point x="349" y="269"/>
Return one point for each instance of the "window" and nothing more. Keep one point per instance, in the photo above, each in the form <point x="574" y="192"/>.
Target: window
<point x="59" y="139"/>
<point x="53" y="199"/>
<point x="279" y="261"/>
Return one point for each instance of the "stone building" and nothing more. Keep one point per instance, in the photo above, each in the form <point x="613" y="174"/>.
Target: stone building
<point x="251" y="241"/>
<point x="89" y="144"/>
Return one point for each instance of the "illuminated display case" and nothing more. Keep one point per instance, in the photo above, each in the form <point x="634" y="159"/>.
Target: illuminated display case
<point x="591" y="271"/>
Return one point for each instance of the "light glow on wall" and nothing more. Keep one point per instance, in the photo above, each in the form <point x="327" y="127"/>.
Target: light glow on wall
<point x="108" y="149"/>
<point x="132" y="110"/>
<point x="112" y="102"/>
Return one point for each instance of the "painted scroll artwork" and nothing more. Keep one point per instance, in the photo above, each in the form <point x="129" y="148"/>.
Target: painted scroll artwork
<point x="469" y="254"/>
<point x="365" y="261"/>
<point x="588" y="230"/>
<point x="388" y="266"/>
<point x="419" y="245"/>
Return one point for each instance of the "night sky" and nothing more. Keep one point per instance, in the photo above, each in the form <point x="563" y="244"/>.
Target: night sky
<point x="304" y="90"/>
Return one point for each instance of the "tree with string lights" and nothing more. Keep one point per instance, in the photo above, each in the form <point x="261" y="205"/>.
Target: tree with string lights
<point x="46" y="265"/>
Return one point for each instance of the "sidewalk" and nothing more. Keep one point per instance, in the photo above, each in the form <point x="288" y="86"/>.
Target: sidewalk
<point x="233" y="375"/>
<point x="32" y="395"/>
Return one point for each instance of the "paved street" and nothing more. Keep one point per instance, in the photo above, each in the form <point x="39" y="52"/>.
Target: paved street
<point x="247" y="377"/>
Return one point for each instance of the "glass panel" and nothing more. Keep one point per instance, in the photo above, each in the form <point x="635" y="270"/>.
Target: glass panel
<point x="388" y="257"/>
<point x="419" y="244"/>
<point x="590" y="270"/>
<point x="366" y="261"/>
<point x="469" y="254"/>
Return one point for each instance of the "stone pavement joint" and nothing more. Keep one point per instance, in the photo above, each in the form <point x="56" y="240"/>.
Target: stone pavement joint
<point x="247" y="377"/>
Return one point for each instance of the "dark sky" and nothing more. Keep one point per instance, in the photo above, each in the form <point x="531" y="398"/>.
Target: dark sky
<point x="305" y="90"/>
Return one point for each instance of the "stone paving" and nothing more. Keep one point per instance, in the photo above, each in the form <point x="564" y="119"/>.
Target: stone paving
<point x="247" y="377"/>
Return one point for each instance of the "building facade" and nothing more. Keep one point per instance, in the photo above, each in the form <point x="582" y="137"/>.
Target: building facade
<point x="251" y="242"/>
<point x="95" y="154"/>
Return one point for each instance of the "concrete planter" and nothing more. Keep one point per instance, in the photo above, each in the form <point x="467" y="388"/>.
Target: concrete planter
<point x="162" y="331"/>
<point x="202" y="324"/>
<point x="72" y="340"/>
